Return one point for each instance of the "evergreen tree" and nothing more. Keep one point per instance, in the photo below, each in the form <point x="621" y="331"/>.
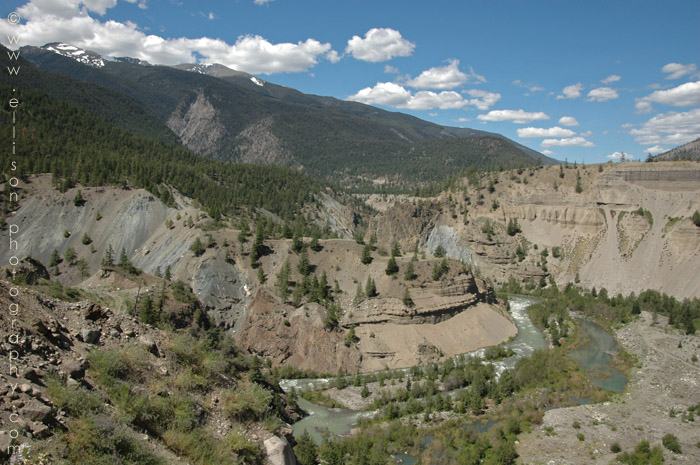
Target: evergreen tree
<point x="359" y="294"/>
<point x="440" y="251"/>
<point x="148" y="312"/>
<point x="579" y="189"/>
<point x="370" y="288"/>
<point x="304" y="266"/>
<point x="261" y="275"/>
<point x="410" y="274"/>
<point x="108" y="259"/>
<point x="55" y="258"/>
<point x="366" y="258"/>
<point x="282" y="283"/>
<point x="167" y="275"/>
<point x="407" y="300"/>
<point x="696" y="218"/>
<point x="78" y="200"/>
<point x="86" y="239"/>
<point x="157" y="273"/>
<point x="315" y="245"/>
<point x="70" y="255"/>
<point x="306" y="450"/>
<point x="297" y="243"/>
<point x="123" y="259"/>
<point x="391" y="267"/>
<point x="395" y="250"/>
<point x="197" y="247"/>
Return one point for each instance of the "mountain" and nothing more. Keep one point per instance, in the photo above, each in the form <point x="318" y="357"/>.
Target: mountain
<point x="689" y="151"/>
<point x="229" y="115"/>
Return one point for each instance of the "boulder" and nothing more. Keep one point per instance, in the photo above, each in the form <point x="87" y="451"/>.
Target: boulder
<point x="279" y="452"/>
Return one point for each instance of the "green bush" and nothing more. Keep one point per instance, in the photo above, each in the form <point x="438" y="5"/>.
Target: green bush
<point x="670" y="442"/>
<point x="248" y="402"/>
<point x="615" y="447"/>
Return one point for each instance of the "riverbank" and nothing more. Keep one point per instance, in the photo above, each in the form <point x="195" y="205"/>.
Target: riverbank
<point x="664" y="378"/>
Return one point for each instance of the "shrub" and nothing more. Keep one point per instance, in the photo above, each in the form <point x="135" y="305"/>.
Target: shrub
<point x="615" y="447"/>
<point x="670" y="442"/>
<point x="696" y="218"/>
<point x="248" y="402"/>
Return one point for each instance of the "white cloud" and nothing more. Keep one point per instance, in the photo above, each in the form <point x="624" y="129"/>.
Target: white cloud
<point x="463" y="120"/>
<point x="655" y="150"/>
<point x="333" y="56"/>
<point x="684" y="95"/>
<point x="395" y="95"/>
<point x="379" y="45"/>
<point x="628" y="125"/>
<point x="610" y="79"/>
<point x="528" y="85"/>
<point x="516" y="116"/>
<point x="391" y="69"/>
<point x="440" y="77"/>
<point x="141" y="3"/>
<point x="548" y="152"/>
<point x="482" y="100"/>
<point x="474" y="77"/>
<point x="555" y="131"/>
<point x="68" y="21"/>
<point x="672" y="128"/>
<point x="568" y="121"/>
<point x="602" y="94"/>
<point x="572" y="91"/>
<point x="620" y="156"/>
<point x="262" y="2"/>
<point x="677" y="70"/>
<point x="577" y="141"/>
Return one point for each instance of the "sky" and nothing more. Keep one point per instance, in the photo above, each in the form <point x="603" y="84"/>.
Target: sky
<point x="582" y="81"/>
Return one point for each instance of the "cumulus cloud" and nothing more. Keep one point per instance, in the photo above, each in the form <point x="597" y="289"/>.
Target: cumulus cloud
<point x="395" y="95"/>
<point x="548" y="152"/>
<point x="677" y="70"/>
<point x="516" y="116"/>
<point x="379" y="44"/>
<point x="602" y="94"/>
<point x="620" y="156"/>
<point x="684" y="95"/>
<point x="570" y="92"/>
<point x="577" y="141"/>
<point x="482" y="99"/>
<point x="655" y="150"/>
<point x="555" y="131"/>
<point x="568" y="121"/>
<point x="672" y="128"/>
<point x="69" y="21"/>
<point x="610" y="79"/>
<point x="391" y="69"/>
<point x="440" y="77"/>
<point x="528" y="85"/>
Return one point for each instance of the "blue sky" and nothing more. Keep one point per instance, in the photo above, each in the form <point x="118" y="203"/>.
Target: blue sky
<point x="577" y="80"/>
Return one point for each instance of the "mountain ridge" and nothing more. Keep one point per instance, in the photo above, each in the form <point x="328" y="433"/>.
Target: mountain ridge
<point x="253" y="120"/>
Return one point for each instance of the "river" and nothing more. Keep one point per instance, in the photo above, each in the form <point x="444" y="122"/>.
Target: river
<point x="594" y="357"/>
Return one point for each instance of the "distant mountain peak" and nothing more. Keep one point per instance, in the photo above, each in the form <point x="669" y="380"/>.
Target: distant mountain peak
<point x="80" y="55"/>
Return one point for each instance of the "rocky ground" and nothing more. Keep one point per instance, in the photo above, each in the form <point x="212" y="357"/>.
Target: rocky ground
<point x="664" y="378"/>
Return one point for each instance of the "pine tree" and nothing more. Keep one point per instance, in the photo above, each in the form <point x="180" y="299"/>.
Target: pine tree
<point x="306" y="450"/>
<point x="359" y="294"/>
<point x="440" y="251"/>
<point x="370" y="288"/>
<point x="70" y="255"/>
<point x="55" y="258"/>
<point x="167" y="275"/>
<point x="261" y="275"/>
<point x="366" y="258"/>
<point x="391" y="267"/>
<point x="86" y="239"/>
<point x="407" y="300"/>
<point x="157" y="273"/>
<point x="395" y="250"/>
<point x="78" y="200"/>
<point x="315" y="245"/>
<point x="304" y="266"/>
<point x="410" y="274"/>
<point x="282" y="283"/>
<point x="108" y="259"/>
<point x="123" y="259"/>
<point x="198" y="248"/>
